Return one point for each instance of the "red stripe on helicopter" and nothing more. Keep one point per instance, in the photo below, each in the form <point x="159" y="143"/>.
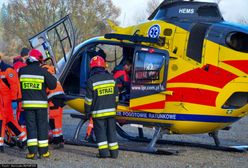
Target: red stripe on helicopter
<point x="239" y="64"/>
<point x="207" y="75"/>
<point x="156" y="105"/>
<point x="193" y="95"/>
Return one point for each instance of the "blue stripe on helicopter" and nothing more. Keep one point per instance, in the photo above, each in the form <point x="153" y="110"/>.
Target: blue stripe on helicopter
<point x="179" y="117"/>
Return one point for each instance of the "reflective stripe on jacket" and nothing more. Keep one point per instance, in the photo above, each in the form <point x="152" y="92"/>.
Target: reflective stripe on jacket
<point x="34" y="82"/>
<point x="101" y="93"/>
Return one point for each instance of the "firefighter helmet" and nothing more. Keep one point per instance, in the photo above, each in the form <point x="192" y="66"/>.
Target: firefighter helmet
<point x="97" y="61"/>
<point x="35" y="55"/>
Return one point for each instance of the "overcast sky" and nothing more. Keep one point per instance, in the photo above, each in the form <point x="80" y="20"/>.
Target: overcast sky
<point x="131" y="9"/>
<point x="231" y="9"/>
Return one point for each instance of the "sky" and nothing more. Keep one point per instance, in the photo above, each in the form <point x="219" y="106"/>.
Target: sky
<point x="232" y="10"/>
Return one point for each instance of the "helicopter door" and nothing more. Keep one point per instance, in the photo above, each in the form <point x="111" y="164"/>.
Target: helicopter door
<point x="149" y="79"/>
<point x="56" y="41"/>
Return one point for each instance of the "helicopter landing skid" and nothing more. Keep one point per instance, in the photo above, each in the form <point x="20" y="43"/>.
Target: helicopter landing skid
<point x="236" y="148"/>
<point x="124" y="148"/>
<point x="149" y="149"/>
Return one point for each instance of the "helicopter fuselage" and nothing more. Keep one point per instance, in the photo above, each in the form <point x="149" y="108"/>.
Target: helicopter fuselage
<point x="205" y="90"/>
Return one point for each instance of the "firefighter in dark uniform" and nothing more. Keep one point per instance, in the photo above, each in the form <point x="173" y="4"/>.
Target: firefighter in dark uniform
<point x="34" y="82"/>
<point x="100" y="103"/>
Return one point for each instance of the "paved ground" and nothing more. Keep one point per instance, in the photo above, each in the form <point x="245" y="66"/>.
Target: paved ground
<point x="78" y="156"/>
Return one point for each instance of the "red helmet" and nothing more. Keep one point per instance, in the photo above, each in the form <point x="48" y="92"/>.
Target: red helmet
<point x="35" y="55"/>
<point x="97" y="61"/>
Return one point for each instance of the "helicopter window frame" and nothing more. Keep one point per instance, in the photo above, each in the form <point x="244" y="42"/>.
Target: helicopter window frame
<point x="150" y="79"/>
<point x="196" y="40"/>
<point x="78" y="51"/>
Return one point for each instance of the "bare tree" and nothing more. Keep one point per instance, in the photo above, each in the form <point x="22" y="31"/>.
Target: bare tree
<point x="25" y="18"/>
<point x="243" y="20"/>
<point x="140" y="17"/>
<point x="152" y="5"/>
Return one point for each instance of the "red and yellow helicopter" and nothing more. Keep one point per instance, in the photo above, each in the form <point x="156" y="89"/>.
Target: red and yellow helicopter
<point x="189" y="72"/>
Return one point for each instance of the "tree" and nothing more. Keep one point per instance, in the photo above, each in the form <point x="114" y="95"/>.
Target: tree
<point x="218" y="1"/>
<point x="151" y="6"/>
<point x="2" y="13"/>
<point x="26" y="18"/>
<point x="243" y="20"/>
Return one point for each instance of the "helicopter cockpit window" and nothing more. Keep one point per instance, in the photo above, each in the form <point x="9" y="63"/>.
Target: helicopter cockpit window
<point x="208" y="11"/>
<point x="237" y="41"/>
<point x="193" y="11"/>
<point x="149" y="68"/>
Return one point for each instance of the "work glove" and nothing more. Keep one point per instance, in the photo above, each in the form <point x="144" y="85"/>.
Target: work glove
<point x="58" y="102"/>
<point x="14" y="105"/>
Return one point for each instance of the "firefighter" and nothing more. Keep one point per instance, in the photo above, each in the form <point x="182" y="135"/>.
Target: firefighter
<point x="34" y="82"/>
<point x="100" y="103"/>
<point x="10" y="93"/>
<point x="89" y="131"/>
<point x="56" y="99"/>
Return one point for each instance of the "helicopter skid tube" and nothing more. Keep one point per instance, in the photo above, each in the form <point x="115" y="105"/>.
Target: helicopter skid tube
<point x="239" y="148"/>
<point x="149" y="149"/>
<point x="157" y="151"/>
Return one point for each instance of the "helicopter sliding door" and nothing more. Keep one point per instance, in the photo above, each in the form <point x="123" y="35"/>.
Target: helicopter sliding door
<point x="149" y="79"/>
<point x="56" y="41"/>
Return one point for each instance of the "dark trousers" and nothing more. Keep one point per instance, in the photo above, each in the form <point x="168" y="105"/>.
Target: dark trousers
<point x="105" y="132"/>
<point x="37" y="130"/>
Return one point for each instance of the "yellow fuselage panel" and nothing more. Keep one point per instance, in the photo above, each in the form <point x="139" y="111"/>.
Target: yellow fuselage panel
<point x="184" y="116"/>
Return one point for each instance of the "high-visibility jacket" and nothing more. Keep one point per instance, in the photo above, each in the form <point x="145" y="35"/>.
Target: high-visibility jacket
<point x="2" y="120"/>
<point x="1" y="99"/>
<point x="56" y="96"/>
<point x="34" y="81"/>
<point x="10" y="91"/>
<point x="101" y="94"/>
<point x="11" y="86"/>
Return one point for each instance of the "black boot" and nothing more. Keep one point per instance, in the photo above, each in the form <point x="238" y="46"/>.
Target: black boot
<point x="114" y="154"/>
<point x="101" y="156"/>
<point x="58" y="142"/>
<point x="1" y="149"/>
<point x="22" y="145"/>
